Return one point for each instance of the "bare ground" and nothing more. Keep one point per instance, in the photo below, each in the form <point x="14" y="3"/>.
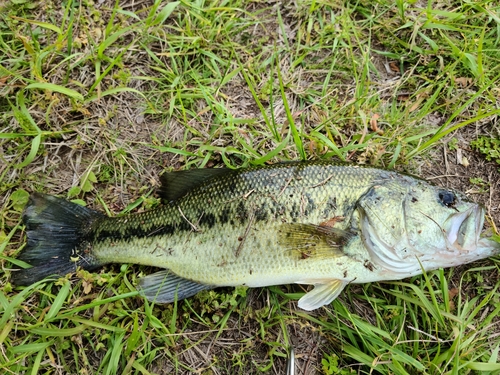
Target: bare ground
<point x="116" y="125"/>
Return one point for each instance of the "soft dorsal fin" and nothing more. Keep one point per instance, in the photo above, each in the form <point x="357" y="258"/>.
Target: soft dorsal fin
<point x="176" y="184"/>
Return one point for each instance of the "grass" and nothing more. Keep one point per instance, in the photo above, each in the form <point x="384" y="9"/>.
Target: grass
<point x="98" y="99"/>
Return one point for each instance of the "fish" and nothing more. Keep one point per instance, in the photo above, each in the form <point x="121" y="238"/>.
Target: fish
<point x="318" y="223"/>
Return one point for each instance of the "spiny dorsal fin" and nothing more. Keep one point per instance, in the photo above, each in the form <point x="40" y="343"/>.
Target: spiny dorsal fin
<point x="166" y="287"/>
<point x="309" y="240"/>
<point x="176" y="184"/>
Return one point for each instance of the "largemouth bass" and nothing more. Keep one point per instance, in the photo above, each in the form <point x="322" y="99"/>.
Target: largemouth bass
<point x="315" y="223"/>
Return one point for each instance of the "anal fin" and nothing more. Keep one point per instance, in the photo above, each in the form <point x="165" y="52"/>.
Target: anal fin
<point x="166" y="287"/>
<point x="322" y="294"/>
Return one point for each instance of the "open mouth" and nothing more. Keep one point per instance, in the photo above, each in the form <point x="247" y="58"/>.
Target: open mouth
<point x="461" y="234"/>
<point x="463" y="228"/>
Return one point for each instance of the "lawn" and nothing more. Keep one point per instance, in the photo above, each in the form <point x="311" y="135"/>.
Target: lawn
<point x="99" y="98"/>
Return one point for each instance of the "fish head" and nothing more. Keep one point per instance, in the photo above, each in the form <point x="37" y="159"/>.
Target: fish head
<point x="408" y="224"/>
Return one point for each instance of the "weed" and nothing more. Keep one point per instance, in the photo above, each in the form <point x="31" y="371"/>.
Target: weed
<point x="489" y="147"/>
<point x="97" y="99"/>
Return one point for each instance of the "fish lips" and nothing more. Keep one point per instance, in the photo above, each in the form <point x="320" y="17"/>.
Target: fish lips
<point x="463" y="228"/>
<point x="461" y="233"/>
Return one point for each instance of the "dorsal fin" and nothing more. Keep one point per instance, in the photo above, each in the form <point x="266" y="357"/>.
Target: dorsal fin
<point x="176" y="184"/>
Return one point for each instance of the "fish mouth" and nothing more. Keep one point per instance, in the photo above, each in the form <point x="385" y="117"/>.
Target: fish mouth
<point x="402" y="258"/>
<point x="463" y="228"/>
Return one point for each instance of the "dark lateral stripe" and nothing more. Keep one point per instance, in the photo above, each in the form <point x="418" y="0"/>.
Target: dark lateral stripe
<point x="151" y="224"/>
<point x="138" y="228"/>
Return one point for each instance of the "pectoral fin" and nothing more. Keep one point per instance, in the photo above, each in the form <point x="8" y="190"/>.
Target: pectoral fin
<point x="322" y="294"/>
<point x="309" y="240"/>
<point x="166" y="287"/>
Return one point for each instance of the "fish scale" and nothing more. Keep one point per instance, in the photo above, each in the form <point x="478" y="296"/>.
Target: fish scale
<point x="245" y="248"/>
<point x="317" y="223"/>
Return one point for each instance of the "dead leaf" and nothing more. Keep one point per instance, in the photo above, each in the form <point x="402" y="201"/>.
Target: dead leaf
<point x="87" y="286"/>
<point x="453" y="292"/>
<point x="420" y="98"/>
<point x="463" y="81"/>
<point x="394" y="66"/>
<point x="313" y="146"/>
<point x="374" y="124"/>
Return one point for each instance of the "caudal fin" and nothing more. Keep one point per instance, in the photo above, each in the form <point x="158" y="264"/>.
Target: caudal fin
<point x="58" y="242"/>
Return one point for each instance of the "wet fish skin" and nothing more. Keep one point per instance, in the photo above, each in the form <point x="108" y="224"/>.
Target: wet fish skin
<point x="316" y="223"/>
<point x="233" y="224"/>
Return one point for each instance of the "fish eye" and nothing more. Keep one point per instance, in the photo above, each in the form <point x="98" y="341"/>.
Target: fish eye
<point x="447" y="198"/>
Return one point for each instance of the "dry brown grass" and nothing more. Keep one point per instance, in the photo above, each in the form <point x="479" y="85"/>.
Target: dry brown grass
<point x="339" y="65"/>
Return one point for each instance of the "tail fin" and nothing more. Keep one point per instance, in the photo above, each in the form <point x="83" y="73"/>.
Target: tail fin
<point x="57" y="232"/>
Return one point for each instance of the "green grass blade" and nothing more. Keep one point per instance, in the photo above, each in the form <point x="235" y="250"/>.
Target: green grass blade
<point x="29" y="348"/>
<point x="59" y="300"/>
<point x="35" y="146"/>
<point x="56" y="88"/>
<point x="291" y="122"/>
<point x="164" y="13"/>
<point x="45" y="25"/>
<point x="58" y="332"/>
